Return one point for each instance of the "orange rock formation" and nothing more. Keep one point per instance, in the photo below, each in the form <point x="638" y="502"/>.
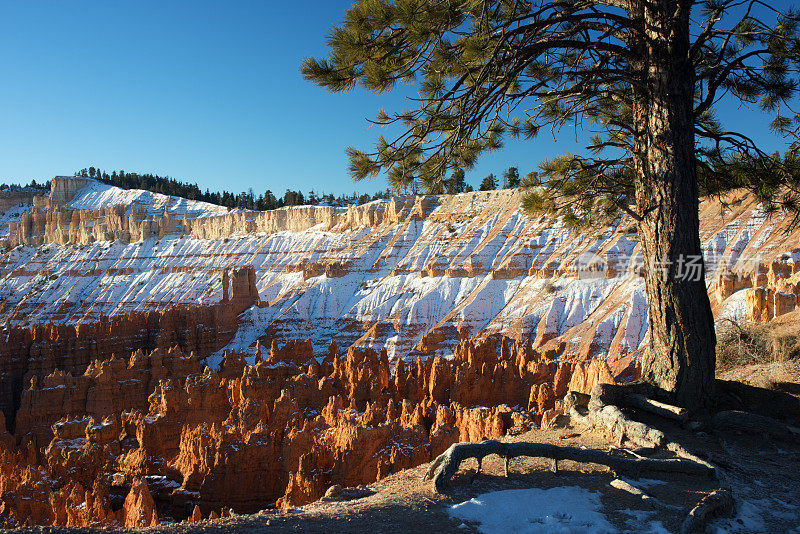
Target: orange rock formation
<point x="38" y="351"/>
<point x="153" y="436"/>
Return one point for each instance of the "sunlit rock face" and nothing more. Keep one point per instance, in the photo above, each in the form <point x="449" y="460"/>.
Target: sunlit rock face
<point x="31" y="353"/>
<point x="131" y="441"/>
<point x="164" y="358"/>
<point x="413" y="275"/>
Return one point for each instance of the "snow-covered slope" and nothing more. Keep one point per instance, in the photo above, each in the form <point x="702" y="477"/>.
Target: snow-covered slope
<point x="467" y="264"/>
<point x="12" y="215"/>
<point x="97" y="195"/>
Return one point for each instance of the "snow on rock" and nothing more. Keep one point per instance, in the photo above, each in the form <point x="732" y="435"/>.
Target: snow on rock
<point x="12" y="215"/>
<point x="413" y="275"/>
<point x="735" y="307"/>
<point x="244" y="340"/>
<point x="97" y="195"/>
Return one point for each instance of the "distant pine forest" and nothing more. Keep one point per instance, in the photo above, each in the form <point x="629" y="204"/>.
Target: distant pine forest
<point x="244" y="200"/>
<point x="266" y="200"/>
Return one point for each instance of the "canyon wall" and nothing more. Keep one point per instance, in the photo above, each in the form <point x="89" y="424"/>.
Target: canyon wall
<point x="63" y="190"/>
<point x="58" y="218"/>
<point x="773" y="290"/>
<point x="13" y="198"/>
<point x="35" y="352"/>
<point x="135" y="389"/>
<point x="413" y="275"/>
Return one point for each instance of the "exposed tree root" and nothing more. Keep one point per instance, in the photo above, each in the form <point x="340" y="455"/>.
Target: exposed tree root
<point x="602" y="410"/>
<point x="658" y="408"/>
<point x="754" y="424"/>
<point x="611" y="418"/>
<point x="446" y="465"/>
<point x="633" y="490"/>
<point x="738" y="396"/>
<point x="638" y="396"/>
<point x="716" y="504"/>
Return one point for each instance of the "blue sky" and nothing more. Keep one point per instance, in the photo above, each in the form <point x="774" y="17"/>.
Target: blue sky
<point x="207" y="92"/>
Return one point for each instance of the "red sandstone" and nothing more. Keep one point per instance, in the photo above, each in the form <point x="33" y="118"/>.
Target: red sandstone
<point x="182" y="443"/>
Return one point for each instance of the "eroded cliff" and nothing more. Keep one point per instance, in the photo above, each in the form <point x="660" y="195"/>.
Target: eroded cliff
<point x="415" y="276"/>
<point x="135" y="384"/>
<point x="152" y="436"/>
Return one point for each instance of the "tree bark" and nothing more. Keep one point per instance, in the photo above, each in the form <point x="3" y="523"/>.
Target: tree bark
<point x="681" y="359"/>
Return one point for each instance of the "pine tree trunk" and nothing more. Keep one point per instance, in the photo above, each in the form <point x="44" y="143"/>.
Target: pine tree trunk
<point x="681" y="358"/>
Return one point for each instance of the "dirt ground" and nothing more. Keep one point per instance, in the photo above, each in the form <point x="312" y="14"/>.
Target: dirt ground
<point x="763" y="474"/>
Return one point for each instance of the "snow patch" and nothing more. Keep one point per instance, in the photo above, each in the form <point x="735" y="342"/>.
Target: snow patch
<point x="568" y="509"/>
<point x="640" y="522"/>
<point x="755" y="515"/>
<point x="253" y="324"/>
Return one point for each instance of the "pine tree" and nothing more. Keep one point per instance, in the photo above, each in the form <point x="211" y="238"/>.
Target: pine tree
<point x="489" y="183"/>
<point x="511" y="178"/>
<point x="531" y="179"/>
<point x="641" y="77"/>
<point x="456" y="183"/>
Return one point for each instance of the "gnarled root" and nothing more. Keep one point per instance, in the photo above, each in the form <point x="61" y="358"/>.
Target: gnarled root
<point x="755" y="424"/>
<point x="638" y="395"/>
<point x="716" y="504"/>
<point x="624" y="485"/>
<point x="446" y="465"/>
<point x="602" y="409"/>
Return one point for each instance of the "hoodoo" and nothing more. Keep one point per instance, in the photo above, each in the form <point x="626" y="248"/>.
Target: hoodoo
<point x="596" y="333"/>
<point x="395" y="330"/>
